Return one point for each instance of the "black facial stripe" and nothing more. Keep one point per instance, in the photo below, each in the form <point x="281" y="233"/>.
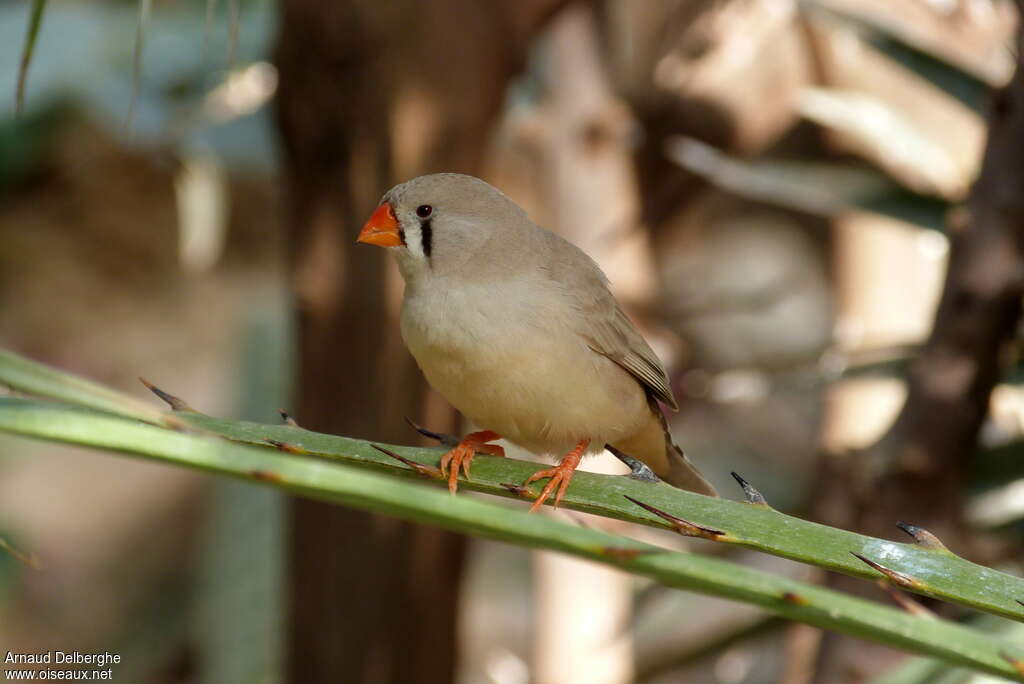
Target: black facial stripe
<point x="426" y="237"/>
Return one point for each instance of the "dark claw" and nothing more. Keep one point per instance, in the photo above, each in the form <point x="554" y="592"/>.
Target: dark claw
<point x="288" y="420"/>
<point x="897" y="578"/>
<point x="683" y="527"/>
<point x="753" y="496"/>
<point x="450" y="441"/>
<point x="638" y="470"/>
<point x="174" y="402"/>
<point x="425" y="471"/>
<point x="923" y="537"/>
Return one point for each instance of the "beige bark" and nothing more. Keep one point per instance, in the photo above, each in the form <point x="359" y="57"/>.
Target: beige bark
<point x="371" y="93"/>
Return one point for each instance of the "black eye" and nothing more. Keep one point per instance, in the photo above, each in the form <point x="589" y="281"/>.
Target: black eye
<point x="424" y="210"/>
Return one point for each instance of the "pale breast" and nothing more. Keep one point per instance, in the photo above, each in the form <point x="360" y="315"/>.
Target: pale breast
<point x="519" y="370"/>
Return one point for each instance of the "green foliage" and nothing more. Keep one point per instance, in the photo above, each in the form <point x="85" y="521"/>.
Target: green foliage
<point x="940" y="574"/>
<point x="325" y="467"/>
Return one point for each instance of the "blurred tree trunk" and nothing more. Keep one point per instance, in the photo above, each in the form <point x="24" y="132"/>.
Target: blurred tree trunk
<point x="358" y="597"/>
<point x="372" y="94"/>
<point x="917" y="471"/>
<point x="919" y="467"/>
<point x="935" y="438"/>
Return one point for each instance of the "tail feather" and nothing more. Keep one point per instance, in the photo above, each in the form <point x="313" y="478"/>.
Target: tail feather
<point x="653" y="445"/>
<point x="682" y="472"/>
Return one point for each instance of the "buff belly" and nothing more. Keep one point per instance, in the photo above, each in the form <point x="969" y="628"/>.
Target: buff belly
<point x="545" y="397"/>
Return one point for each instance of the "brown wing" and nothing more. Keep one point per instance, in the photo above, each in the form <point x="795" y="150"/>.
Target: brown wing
<point x="613" y="335"/>
<point x="602" y="323"/>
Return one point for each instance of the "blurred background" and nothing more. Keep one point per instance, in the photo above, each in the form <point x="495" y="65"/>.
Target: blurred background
<point x="793" y="199"/>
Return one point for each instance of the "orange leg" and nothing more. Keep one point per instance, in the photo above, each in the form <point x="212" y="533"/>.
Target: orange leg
<point x="560" y="475"/>
<point x="463" y="453"/>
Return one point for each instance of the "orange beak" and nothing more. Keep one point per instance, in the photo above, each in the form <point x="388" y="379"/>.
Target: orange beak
<point x="382" y="229"/>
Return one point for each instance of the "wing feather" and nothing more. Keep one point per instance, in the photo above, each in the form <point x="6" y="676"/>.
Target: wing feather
<point x="615" y="337"/>
<point x="604" y="326"/>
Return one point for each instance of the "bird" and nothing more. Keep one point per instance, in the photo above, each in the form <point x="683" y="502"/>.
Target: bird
<point x="517" y="328"/>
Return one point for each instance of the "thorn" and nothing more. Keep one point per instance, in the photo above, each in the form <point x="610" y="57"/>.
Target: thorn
<point x="425" y="471"/>
<point x="905" y="602"/>
<point x="174" y="402"/>
<point x="683" y="527"/>
<point x="518" y="490"/>
<point x="1017" y="663"/>
<point x="265" y="476"/>
<point x="623" y="553"/>
<point x="753" y="496"/>
<point x="449" y="441"/>
<point x="638" y="470"/>
<point x="1020" y="602"/>
<point x="286" y="447"/>
<point x="288" y="420"/>
<point x="794" y="598"/>
<point x="923" y="537"/>
<point x="897" y="578"/>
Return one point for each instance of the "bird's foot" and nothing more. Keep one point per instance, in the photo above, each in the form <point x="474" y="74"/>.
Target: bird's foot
<point x="462" y="455"/>
<point x="560" y="475"/>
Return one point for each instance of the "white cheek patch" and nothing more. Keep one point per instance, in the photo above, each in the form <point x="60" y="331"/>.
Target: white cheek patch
<point x="414" y="240"/>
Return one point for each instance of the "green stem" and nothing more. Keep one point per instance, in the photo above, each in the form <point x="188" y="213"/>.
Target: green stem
<point x="28" y="376"/>
<point x="939" y="574"/>
<point x="349" y="486"/>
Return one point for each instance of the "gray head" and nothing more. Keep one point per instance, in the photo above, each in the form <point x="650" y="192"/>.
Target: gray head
<point x="436" y="224"/>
